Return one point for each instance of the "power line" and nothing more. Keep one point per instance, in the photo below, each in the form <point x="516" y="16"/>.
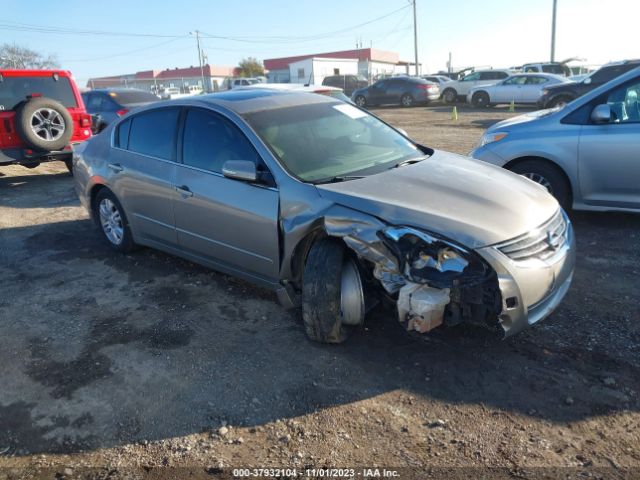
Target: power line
<point x="296" y="39"/>
<point x="123" y="54"/>
<point x="25" y="27"/>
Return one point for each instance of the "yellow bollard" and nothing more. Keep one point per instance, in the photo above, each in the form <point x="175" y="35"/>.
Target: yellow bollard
<point x="512" y="106"/>
<point x="454" y="114"/>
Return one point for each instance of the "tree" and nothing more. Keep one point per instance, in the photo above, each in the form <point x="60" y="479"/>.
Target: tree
<point x="13" y="56"/>
<point x="250" y="67"/>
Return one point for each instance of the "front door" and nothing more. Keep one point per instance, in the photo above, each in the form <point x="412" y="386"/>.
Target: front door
<point x="609" y="154"/>
<point x="227" y="222"/>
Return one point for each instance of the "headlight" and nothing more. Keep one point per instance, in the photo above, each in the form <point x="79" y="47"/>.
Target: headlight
<point x="426" y="258"/>
<point x="544" y="92"/>
<point x="492" y="137"/>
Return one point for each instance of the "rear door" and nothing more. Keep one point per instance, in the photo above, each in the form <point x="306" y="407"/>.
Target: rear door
<point x="532" y="89"/>
<point x="142" y="169"/>
<point x="609" y="154"/>
<point x="225" y="222"/>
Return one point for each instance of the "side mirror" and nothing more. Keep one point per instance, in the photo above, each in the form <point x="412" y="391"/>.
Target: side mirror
<point x="244" y="170"/>
<point x="601" y="114"/>
<point x="587" y="81"/>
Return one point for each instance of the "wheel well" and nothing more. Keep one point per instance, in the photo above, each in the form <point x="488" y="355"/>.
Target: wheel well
<point x="301" y="251"/>
<point x="93" y="195"/>
<point x="512" y="163"/>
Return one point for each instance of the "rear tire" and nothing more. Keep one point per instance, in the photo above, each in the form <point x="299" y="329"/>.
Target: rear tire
<point x="549" y="176"/>
<point x="113" y="222"/>
<point x="360" y="101"/>
<point x="450" y="95"/>
<point x="322" y="293"/>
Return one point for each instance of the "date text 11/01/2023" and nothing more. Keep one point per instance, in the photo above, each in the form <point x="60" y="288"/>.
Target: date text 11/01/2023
<point x="364" y="473"/>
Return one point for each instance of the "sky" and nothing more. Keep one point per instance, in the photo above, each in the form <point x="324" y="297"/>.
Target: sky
<point x="499" y="33"/>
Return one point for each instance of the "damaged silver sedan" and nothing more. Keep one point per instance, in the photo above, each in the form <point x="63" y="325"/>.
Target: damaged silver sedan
<point x="330" y="207"/>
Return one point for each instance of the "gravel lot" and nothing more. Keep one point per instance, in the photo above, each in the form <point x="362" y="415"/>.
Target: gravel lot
<point x="145" y="360"/>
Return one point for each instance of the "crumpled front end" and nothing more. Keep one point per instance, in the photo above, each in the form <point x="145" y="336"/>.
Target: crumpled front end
<point x="432" y="280"/>
<point x="435" y="281"/>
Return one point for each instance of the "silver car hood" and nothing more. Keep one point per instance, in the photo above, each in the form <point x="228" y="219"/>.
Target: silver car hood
<point x="470" y="202"/>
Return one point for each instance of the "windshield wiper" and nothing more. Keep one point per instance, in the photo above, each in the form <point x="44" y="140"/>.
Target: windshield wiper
<point x="340" y="178"/>
<point x="411" y="161"/>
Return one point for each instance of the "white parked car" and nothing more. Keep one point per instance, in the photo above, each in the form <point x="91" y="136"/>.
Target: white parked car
<point x="459" y="89"/>
<point x="549" y="67"/>
<point x="242" y="82"/>
<point x="521" y="88"/>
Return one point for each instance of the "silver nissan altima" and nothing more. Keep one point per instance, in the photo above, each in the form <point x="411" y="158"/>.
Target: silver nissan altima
<point x="330" y="207"/>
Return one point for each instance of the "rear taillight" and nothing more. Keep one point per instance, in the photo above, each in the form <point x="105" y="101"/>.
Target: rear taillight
<point x="425" y="87"/>
<point x="122" y="112"/>
<point x="85" y="121"/>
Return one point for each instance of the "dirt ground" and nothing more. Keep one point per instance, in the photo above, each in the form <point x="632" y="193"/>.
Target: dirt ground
<point x="132" y="364"/>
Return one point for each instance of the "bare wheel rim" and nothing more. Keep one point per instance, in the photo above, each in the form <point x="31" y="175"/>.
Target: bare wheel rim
<point x="47" y="124"/>
<point x="360" y="101"/>
<point x="536" y="177"/>
<point x="351" y="294"/>
<point x="111" y="221"/>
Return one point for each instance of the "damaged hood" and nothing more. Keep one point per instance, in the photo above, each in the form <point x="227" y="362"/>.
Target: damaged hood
<point x="470" y="202"/>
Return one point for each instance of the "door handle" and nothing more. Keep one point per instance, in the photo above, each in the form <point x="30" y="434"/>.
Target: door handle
<point x="116" y="167"/>
<point x="184" y="191"/>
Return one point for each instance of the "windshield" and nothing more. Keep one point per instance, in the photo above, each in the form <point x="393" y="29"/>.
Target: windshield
<point x="14" y="90"/>
<point x="319" y="142"/>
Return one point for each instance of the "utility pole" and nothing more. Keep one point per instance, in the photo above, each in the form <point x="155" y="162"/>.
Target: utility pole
<point x="415" y="36"/>
<point x="553" y="31"/>
<point x="197" y="34"/>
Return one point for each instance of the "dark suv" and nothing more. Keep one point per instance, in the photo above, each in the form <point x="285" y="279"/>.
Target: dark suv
<point x="405" y="91"/>
<point x="348" y="83"/>
<point x="109" y="104"/>
<point x="41" y="117"/>
<point x="563" y="93"/>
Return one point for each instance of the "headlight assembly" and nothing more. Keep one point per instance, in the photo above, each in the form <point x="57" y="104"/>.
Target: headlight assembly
<point x="429" y="259"/>
<point x="492" y="137"/>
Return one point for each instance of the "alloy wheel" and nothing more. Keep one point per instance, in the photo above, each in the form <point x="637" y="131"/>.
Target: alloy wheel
<point x="47" y="124"/>
<point x="111" y="221"/>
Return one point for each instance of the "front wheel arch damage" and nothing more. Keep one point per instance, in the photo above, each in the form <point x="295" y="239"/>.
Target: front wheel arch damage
<point x="422" y="303"/>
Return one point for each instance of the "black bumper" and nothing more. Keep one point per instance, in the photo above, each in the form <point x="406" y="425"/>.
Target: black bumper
<point x="21" y="156"/>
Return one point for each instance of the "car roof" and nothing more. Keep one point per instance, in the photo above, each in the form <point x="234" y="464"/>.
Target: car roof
<point x="252" y="100"/>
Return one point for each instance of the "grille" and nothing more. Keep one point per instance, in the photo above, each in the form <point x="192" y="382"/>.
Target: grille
<point x="541" y="243"/>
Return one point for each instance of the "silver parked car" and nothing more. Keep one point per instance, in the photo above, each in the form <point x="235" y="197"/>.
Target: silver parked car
<point x="521" y="88"/>
<point x="331" y="208"/>
<point x="586" y="153"/>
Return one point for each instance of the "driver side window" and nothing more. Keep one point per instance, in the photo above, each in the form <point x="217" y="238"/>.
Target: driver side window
<point x="624" y="103"/>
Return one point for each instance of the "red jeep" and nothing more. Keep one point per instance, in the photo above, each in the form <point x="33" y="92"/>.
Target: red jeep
<point x="41" y="117"/>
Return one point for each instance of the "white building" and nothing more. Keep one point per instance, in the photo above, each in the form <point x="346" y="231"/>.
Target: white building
<point x="314" y="70"/>
<point x="370" y="63"/>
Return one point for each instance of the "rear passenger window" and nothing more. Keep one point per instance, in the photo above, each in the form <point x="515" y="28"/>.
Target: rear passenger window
<point x="210" y="140"/>
<point x="122" y="134"/>
<point x="153" y="133"/>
